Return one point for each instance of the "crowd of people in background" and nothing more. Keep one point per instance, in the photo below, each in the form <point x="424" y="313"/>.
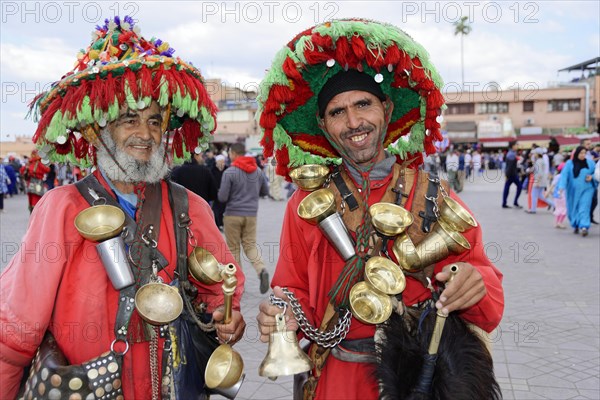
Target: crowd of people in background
<point x="31" y="176"/>
<point x="564" y="182"/>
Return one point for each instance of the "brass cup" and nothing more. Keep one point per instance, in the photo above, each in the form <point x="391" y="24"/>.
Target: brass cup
<point x="317" y="206"/>
<point x="204" y="267"/>
<point x="456" y="216"/>
<point x="99" y="223"/>
<point x="224" y="368"/>
<point x="390" y="219"/>
<point x="384" y="275"/>
<point x="455" y="242"/>
<point x="406" y="253"/>
<point x="368" y="305"/>
<point x="309" y="177"/>
<point x="158" y="303"/>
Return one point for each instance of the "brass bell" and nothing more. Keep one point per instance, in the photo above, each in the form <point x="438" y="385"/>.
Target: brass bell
<point x="284" y="357"/>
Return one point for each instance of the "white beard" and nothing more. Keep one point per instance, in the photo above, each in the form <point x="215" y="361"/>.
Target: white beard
<point x="125" y="168"/>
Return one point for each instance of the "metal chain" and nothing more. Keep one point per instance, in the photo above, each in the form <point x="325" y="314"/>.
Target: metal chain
<point x="154" y="363"/>
<point x="444" y="193"/>
<point x="329" y="338"/>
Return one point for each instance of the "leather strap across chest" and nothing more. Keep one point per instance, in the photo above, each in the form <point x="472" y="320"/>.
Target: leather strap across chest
<point x="90" y="188"/>
<point x="403" y="180"/>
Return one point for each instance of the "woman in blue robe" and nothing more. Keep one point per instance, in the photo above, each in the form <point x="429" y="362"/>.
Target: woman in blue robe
<point x="579" y="185"/>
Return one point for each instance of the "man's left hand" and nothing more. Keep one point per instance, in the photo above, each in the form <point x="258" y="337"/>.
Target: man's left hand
<point x="233" y="331"/>
<point x="465" y="289"/>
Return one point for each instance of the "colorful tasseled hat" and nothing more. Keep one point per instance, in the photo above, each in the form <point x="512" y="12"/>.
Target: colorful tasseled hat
<point x="121" y="67"/>
<point x="288" y="110"/>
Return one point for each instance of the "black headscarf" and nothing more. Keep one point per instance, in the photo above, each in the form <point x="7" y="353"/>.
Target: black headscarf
<point x="578" y="164"/>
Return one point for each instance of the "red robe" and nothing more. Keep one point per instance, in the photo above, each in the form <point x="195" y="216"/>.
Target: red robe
<point x="57" y="281"/>
<point x="308" y="265"/>
<point x="35" y="169"/>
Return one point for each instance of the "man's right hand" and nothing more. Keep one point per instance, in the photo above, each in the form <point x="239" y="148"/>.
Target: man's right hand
<point x="267" y="313"/>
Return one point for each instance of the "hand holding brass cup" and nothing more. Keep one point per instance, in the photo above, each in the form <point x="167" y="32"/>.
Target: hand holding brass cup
<point x="225" y="366"/>
<point x="319" y="208"/>
<point x="309" y="177"/>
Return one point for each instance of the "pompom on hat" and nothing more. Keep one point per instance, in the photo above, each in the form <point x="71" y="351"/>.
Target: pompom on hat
<point x="288" y="96"/>
<point x="120" y="68"/>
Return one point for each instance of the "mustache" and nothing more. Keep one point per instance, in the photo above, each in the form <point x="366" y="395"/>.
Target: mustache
<point x="363" y="128"/>
<point x="134" y="141"/>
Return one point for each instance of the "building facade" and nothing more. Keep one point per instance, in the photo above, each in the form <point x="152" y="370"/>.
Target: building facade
<point x="562" y="108"/>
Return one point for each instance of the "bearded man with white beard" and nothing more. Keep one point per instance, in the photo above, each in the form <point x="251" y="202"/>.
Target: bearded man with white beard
<point x="125" y="111"/>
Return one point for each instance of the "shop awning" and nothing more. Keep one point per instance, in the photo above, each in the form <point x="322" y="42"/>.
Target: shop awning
<point x="462" y="131"/>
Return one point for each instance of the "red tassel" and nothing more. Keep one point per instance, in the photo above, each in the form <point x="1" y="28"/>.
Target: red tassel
<point x="268" y="120"/>
<point x="81" y="148"/>
<point x="129" y="77"/>
<point x="290" y="70"/>
<point x="73" y="102"/>
<point x="429" y="147"/>
<point x="343" y="53"/>
<point x="283" y="159"/>
<point x="66" y="148"/>
<point x="325" y="42"/>
<point x="111" y="86"/>
<point x="191" y="133"/>
<point x="178" y="143"/>
<point x="404" y="62"/>
<point x="392" y="55"/>
<point x="417" y="73"/>
<point x="267" y="143"/>
<point x="358" y="47"/>
<point x="118" y="90"/>
<point x="46" y="118"/>
<point x="435" y="99"/>
<point x="400" y="79"/>
<point x="144" y="76"/>
<point x="281" y="94"/>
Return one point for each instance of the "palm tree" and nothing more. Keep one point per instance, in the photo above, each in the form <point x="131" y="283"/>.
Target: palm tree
<point x="462" y="28"/>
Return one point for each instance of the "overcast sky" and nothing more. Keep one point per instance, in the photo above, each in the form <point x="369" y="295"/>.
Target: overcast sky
<point x="512" y="44"/>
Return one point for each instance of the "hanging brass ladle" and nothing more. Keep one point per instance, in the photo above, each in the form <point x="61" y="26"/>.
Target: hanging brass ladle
<point x="225" y="365"/>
